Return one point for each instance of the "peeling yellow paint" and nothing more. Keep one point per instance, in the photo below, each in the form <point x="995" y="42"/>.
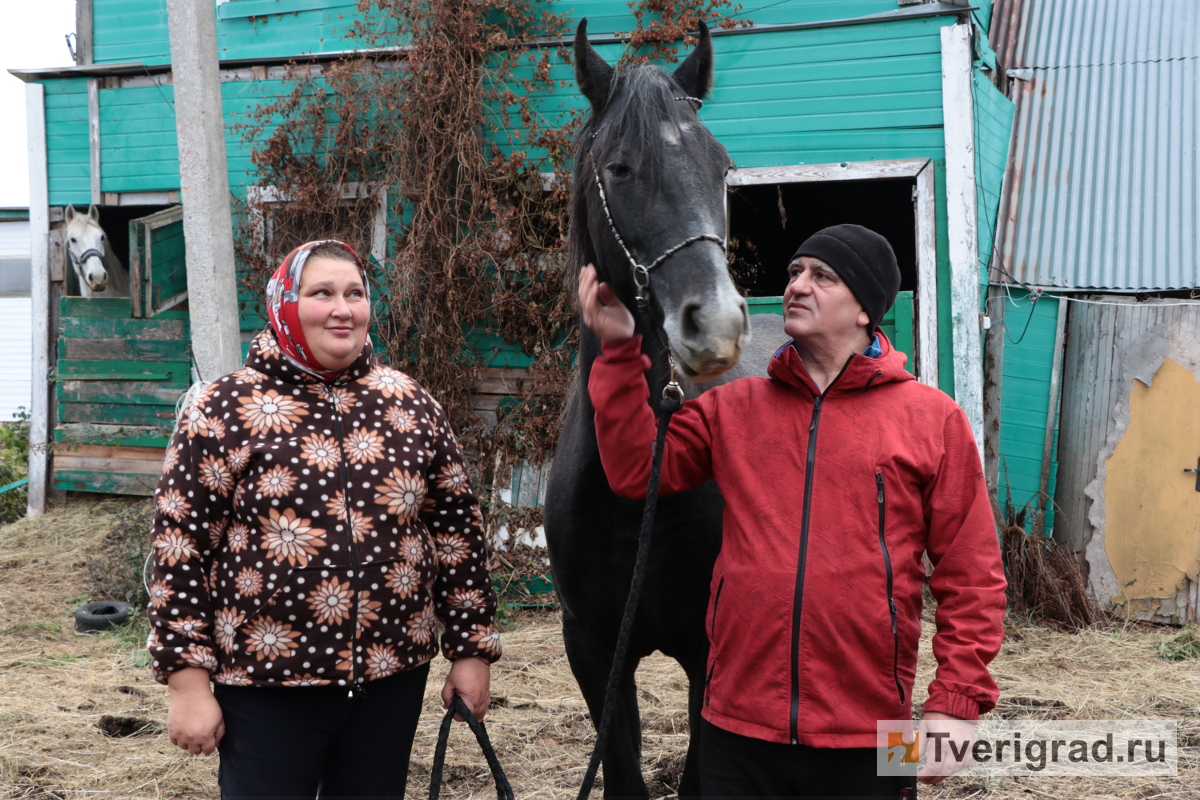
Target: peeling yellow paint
<point x="1152" y="527"/>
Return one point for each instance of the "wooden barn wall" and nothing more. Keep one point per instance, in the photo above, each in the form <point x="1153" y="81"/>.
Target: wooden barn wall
<point x="993" y="132"/>
<point x="1029" y="330"/>
<point x="1112" y="350"/>
<point x="138" y="145"/>
<point x="136" y="30"/>
<point x="869" y="92"/>
<point x="67" y="153"/>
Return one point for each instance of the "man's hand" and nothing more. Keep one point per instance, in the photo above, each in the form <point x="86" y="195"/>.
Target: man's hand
<point x="194" y="720"/>
<point x="946" y="742"/>
<point x="470" y="678"/>
<point x="603" y="313"/>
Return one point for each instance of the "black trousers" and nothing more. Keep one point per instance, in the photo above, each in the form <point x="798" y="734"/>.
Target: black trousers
<point x="291" y="743"/>
<point x="742" y="767"/>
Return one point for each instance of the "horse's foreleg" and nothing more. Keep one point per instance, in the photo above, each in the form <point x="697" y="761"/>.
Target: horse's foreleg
<point x="591" y="661"/>
<point x="689" y="783"/>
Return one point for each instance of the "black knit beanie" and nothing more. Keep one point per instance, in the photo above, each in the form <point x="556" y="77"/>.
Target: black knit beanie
<point x="863" y="260"/>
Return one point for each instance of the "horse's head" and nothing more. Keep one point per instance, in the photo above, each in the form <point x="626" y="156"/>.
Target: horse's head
<point x="650" y="176"/>
<point x="86" y="247"/>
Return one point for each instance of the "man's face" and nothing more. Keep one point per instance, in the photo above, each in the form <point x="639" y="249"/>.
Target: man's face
<point x="818" y="305"/>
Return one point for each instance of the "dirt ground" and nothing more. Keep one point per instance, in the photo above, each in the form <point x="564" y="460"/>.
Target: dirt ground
<point x="81" y="718"/>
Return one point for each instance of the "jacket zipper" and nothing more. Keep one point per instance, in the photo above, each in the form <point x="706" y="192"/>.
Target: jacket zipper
<point x="798" y="597"/>
<point x="712" y="631"/>
<point x="337" y="426"/>
<point x="887" y="566"/>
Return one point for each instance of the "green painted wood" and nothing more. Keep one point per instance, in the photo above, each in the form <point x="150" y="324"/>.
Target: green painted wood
<point x="123" y="350"/>
<point x="109" y="308"/>
<point x="116" y="414"/>
<point x="167" y="330"/>
<point x="68" y="161"/>
<point x="105" y="482"/>
<point x="172" y="372"/>
<point x="154" y="394"/>
<point x="127" y="435"/>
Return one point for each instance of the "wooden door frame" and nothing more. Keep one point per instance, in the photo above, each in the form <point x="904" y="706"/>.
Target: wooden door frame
<point x="925" y="365"/>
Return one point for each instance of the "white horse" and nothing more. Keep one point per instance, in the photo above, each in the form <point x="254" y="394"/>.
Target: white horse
<point x="101" y="273"/>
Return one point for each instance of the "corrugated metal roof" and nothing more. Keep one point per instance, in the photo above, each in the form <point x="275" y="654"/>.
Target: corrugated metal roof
<point x="1102" y="189"/>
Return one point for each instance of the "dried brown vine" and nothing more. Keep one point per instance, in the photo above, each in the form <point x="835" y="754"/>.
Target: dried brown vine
<point x="437" y="118"/>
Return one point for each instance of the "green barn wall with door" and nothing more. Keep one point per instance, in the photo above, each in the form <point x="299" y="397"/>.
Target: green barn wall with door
<point x="815" y="83"/>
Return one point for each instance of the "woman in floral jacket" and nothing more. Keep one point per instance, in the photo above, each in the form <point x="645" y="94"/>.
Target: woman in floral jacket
<point x="314" y="525"/>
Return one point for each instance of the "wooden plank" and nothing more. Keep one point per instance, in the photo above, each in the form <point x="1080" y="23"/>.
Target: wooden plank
<point x="71" y="463"/>
<point x="110" y="451"/>
<point x="925" y="344"/>
<point x="126" y="435"/>
<point x="511" y="382"/>
<point x="961" y="219"/>
<point x="116" y="413"/>
<point x="123" y="350"/>
<point x="173" y="372"/>
<point x="105" y="482"/>
<point x="94" y="137"/>
<point x="812" y="173"/>
<point x="41" y="405"/>
<point x="1044" y="498"/>
<point x="94" y="307"/>
<point x="161" y="330"/>
<point x="163" y="394"/>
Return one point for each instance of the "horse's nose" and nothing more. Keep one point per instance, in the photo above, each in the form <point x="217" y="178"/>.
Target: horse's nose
<point x="713" y="336"/>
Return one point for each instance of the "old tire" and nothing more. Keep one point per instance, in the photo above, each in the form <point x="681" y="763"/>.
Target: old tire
<point x="100" y="616"/>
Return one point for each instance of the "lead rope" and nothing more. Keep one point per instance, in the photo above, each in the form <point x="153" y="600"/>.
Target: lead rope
<point x="672" y="401"/>
<point x="457" y="706"/>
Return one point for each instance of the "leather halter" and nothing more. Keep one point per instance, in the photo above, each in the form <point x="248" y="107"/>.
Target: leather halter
<point x="641" y="272"/>
<point x="79" y="260"/>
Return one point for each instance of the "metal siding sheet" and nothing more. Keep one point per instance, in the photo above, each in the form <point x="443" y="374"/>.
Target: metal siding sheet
<point x="16" y="357"/>
<point x="1101" y="191"/>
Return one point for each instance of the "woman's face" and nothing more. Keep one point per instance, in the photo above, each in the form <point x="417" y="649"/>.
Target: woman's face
<point x="333" y="311"/>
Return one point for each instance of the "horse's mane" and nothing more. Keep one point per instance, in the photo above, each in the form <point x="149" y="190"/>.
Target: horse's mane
<point x="639" y="101"/>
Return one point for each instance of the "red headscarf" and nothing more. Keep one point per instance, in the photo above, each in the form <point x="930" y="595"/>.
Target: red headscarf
<point x="283" y="300"/>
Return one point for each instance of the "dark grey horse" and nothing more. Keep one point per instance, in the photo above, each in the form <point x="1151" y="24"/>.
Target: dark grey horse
<point x="664" y="181"/>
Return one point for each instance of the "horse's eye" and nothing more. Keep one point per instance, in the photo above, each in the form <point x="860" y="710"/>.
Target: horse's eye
<point x="72" y="240"/>
<point x="617" y="169"/>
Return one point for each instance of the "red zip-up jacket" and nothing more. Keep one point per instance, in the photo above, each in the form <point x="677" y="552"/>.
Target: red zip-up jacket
<point x="830" y="500"/>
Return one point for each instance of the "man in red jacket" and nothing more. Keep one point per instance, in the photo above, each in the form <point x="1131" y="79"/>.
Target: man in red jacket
<point x="839" y="471"/>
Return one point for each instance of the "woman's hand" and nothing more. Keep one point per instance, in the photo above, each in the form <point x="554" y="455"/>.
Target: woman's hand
<point x="194" y="720"/>
<point x="470" y="678"/>
<point x="611" y="321"/>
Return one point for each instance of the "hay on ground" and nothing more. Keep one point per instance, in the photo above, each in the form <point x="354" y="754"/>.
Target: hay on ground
<point x="65" y="695"/>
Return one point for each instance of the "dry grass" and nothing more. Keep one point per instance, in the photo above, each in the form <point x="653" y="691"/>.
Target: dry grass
<point x="58" y="687"/>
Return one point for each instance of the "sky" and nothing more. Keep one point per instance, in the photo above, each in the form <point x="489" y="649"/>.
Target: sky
<point x="32" y="36"/>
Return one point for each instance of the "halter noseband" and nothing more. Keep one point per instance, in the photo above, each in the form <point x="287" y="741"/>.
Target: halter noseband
<point x="78" y="260"/>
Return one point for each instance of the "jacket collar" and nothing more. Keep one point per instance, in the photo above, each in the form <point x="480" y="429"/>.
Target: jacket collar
<point x="860" y="372"/>
<point x="265" y="356"/>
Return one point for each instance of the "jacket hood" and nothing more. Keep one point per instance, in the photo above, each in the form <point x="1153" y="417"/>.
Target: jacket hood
<point x="265" y="356"/>
<point x="860" y="373"/>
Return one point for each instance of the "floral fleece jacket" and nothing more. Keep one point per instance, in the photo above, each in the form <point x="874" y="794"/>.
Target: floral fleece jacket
<point x="309" y="534"/>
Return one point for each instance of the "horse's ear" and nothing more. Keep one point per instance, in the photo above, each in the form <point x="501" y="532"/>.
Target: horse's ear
<point x="94" y="213"/>
<point x="695" y="74"/>
<point x="592" y="73"/>
<point x="70" y="213"/>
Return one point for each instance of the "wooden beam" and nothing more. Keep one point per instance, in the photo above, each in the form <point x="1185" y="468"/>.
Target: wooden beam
<point x="1044" y="499"/>
<point x="993" y="386"/>
<point x="204" y="186"/>
<point x="961" y="216"/>
<point x="93" y="90"/>
<point x="83" y="32"/>
<point x="925" y="217"/>
<point x="40" y="421"/>
<point x="821" y="173"/>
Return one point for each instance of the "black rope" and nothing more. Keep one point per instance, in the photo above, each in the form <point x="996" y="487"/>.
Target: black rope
<point x="457" y="706"/>
<point x="669" y="406"/>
